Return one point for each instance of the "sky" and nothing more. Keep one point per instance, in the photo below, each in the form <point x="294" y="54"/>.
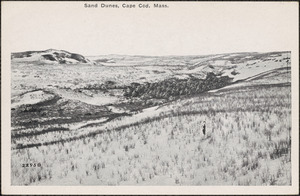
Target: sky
<point x="184" y="28"/>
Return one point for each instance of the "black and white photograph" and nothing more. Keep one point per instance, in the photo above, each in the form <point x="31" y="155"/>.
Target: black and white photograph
<point x="150" y="94"/>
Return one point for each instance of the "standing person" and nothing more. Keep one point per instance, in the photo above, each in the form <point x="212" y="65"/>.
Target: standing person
<point x="203" y="128"/>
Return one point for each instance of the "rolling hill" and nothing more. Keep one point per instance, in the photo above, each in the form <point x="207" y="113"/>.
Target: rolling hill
<point x="50" y="56"/>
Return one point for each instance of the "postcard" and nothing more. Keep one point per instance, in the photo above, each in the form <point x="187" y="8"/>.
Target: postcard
<point x="132" y="97"/>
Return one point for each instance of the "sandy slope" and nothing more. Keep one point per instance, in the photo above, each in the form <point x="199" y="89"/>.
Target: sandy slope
<point x="31" y="98"/>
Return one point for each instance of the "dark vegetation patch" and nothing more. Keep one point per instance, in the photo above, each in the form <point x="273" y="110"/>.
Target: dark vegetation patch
<point x="172" y="88"/>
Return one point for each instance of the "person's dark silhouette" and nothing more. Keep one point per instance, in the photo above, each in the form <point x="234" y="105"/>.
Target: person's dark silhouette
<point x="203" y="128"/>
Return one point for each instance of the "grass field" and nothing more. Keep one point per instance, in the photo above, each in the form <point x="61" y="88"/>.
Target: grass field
<point x="244" y="145"/>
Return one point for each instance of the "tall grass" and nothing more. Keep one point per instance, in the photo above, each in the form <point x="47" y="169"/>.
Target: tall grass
<point x="247" y="143"/>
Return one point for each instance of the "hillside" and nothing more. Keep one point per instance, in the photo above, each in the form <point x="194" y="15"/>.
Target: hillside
<point x="50" y="56"/>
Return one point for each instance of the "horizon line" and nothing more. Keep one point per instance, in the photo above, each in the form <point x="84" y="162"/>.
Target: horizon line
<point x="119" y="54"/>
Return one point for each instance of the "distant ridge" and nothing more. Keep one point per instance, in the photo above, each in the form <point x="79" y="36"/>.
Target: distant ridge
<point x="51" y="56"/>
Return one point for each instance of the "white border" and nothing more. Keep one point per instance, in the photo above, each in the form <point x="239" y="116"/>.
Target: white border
<point x="5" y="138"/>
